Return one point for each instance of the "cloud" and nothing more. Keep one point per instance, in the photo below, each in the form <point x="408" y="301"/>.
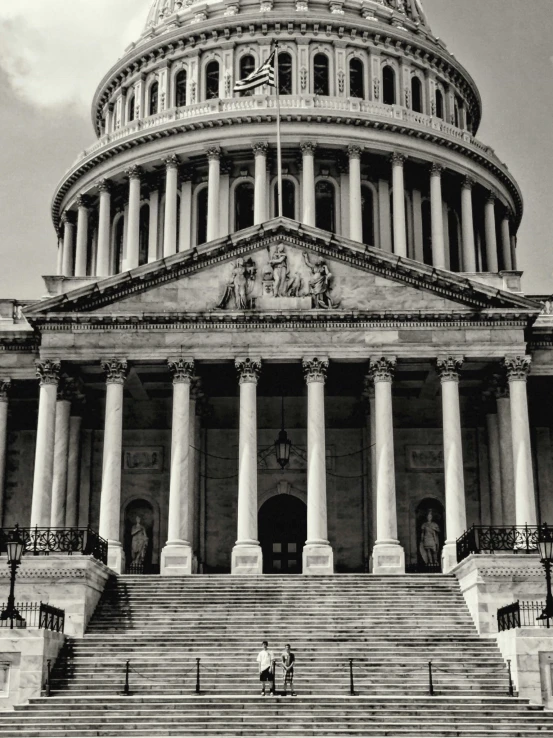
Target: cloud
<point x="55" y="52"/>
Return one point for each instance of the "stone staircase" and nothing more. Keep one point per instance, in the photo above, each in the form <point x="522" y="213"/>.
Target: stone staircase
<point x="390" y="626"/>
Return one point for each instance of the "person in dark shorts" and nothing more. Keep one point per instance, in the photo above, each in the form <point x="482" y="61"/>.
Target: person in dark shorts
<point x="288" y="661"/>
<point x="265" y="660"/>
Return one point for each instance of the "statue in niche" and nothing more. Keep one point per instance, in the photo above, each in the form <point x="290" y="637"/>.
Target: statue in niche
<point x="139" y="543"/>
<point x="240" y="285"/>
<point x="430" y="541"/>
<point x="319" y="283"/>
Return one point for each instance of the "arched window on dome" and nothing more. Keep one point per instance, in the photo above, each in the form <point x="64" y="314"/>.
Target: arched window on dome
<point x="131" y="109"/>
<point x="325" y="205"/>
<point x="118" y="245"/>
<point x="243" y="206"/>
<point x="457" y="112"/>
<point x="153" y="100"/>
<point x="321" y="80"/>
<point x="212" y="80"/>
<point x="388" y="85"/>
<point x="143" y="234"/>
<point x="439" y="104"/>
<point x="416" y="95"/>
<point x="201" y="216"/>
<point x="288" y="199"/>
<point x="367" y="215"/>
<point x="426" y="232"/>
<point x="285" y="73"/>
<point x="180" y="89"/>
<point x="356" y="78"/>
<point x="247" y="66"/>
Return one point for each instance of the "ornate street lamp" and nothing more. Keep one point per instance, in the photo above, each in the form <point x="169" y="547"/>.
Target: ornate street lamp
<point x="283" y="444"/>
<point x="545" y="544"/>
<point x="15" y="548"/>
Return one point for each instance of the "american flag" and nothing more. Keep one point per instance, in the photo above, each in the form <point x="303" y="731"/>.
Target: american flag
<point x="263" y="75"/>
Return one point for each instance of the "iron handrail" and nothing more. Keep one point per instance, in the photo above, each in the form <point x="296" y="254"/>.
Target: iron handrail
<point x="516" y="539"/>
<point x="36" y="615"/>
<point x="521" y="614"/>
<point x="43" y="541"/>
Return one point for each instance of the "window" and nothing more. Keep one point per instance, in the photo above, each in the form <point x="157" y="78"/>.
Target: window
<point x="180" y="89"/>
<point x="388" y="86"/>
<point x="131" y="109"/>
<point x="457" y="112"/>
<point x="143" y="235"/>
<point x="325" y="206"/>
<point x="357" y="79"/>
<point x="416" y="95"/>
<point x="320" y="75"/>
<point x="201" y="217"/>
<point x="439" y="104"/>
<point x="288" y="199"/>
<point x="243" y="206"/>
<point x="453" y="232"/>
<point x="212" y="81"/>
<point x="367" y="215"/>
<point x="247" y="66"/>
<point x="154" y="99"/>
<point x="284" y="74"/>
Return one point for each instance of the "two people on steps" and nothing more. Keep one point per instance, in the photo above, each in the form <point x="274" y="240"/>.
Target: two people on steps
<point x="267" y="668"/>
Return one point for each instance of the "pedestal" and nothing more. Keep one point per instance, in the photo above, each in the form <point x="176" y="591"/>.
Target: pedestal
<point x="176" y="561"/>
<point x="116" y="557"/>
<point x="318" y="558"/>
<point x="449" y="557"/>
<point x="247" y="559"/>
<point x="388" y="558"/>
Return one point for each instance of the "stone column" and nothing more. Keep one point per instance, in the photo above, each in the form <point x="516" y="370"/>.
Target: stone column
<point x="247" y="557"/>
<point x="68" y="220"/>
<point x="437" y="219"/>
<point x="5" y="388"/>
<point x="185" y="228"/>
<point x="308" y="182"/>
<point x="505" y="453"/>
<point x="61" y="452"/>
<point x="467" y="226"/>
<point x="388" y="555"/>
<point x="133" y="219"/>
<point x="355" y="205"/>
<point x="48" y="372"/>
<point x="449" y="368"/>
<point x="176" y="557"/>
<point x="399" y="225"/>
<point x="171" y="203"/>
<point x="82" y="236"/>
<point x="494" y="464"/>
<point x="104" y="229"/>
<point x="318" y="556"/>
<point x="73" y="471"/>
<point x="517" y="368"/>
<point x="153" y="230"/>
<point x="214" y="174"/>
<point x="491" y="238"/>
<point x="260" y="149"/>
<point x="110" y="499"/>
<point x="506" y="242"/>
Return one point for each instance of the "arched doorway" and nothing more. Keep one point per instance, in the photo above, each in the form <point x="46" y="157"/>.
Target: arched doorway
<point x="139" y="534"/>
<point x="282" y="534"/>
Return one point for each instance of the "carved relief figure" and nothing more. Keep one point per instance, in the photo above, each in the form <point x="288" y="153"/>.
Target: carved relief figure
<point x="240" y="285"/>
<point x="139" y="543"/>
<point x="319" y="283"/>
<point x="279" y="263"/>
<point x="430" y="541"/>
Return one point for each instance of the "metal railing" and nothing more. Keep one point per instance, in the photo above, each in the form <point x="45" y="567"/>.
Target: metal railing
<point x="35" y="615"/>
<point x="525" y="614"/>
<point x="484" y="538"/>
<point x="58" y="540"/>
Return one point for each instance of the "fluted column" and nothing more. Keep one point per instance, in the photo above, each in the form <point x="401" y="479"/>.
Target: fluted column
<point x="61" y="453"/>
<point x="388" y="555"/>
<point x="73" y="470"/>
<point x="83" y="203"/>
<point x="48" y="372"/>
<point x="525" y="499"/>
<point x="501" y="391"/>
<point x="317" y="553"/>
<point x="110" y="499"/>
<point x="437" y="217"/>
<point x="467" y="226"/>
<point x="399" y="225"/>
<point x="308" y="182"/>
<point x="260" y="149"/>
<point x="5" y="388"/>
<point x="133" y="225"/>
<point x="104" y="229"/>
<point x="506" y="242"/>
<point x="491" y="238"/>
<point x="449" y="368"/>
<point x="68" y="221"/>
<point x="214" y="175"/>
<point x="246" y="554"/>
<point x="355" y="208"/>
<point x="171" y="203"/>
<point x="176" y="557"/>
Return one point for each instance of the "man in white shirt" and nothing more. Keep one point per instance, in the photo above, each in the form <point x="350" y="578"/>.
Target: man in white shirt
<point x="265" y="660"/>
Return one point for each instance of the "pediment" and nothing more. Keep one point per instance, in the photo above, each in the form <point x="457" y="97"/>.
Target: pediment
<point x="282" y="267"/>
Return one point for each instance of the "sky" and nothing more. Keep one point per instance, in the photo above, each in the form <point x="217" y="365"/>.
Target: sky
<point x="53" y="53"/>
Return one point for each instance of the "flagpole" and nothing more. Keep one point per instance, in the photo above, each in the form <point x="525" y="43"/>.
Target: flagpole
<point x="279" y="150"/>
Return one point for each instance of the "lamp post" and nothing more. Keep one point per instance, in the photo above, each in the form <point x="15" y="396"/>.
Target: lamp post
<point x="283" y="443"/>
<point x="15" y="548"/>
<point x="545" y="544"/>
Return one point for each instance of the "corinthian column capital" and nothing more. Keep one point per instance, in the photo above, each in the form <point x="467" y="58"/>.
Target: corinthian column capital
<point x="104" y="185"/>
<point x="260" y="148"/>
<point x="397" y="159"/>
<point x="182" y="370"/>
<point x="248" y="370"/>
<point x="315" y="369"/>
<point x="83" y="201"/>
<point x="436" y="169"/>
<point x="48" y="371"/>
<point x="308" y="147"/>
<point x="171" y="162"/>
<point x="449" y="368"/>
<point x="354" y="151"/>
<point x="115" y="370"/>
<point x="517" y="367"/>
<point x="213" y="152"/>
<point x="134" y="172"/>
<point x="382" y="369"/>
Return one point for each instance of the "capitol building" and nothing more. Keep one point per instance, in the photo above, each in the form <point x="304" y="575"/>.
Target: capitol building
<point x="344" y="383"/>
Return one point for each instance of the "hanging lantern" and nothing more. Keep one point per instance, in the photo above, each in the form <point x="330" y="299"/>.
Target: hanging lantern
<point x="282" y="448"/>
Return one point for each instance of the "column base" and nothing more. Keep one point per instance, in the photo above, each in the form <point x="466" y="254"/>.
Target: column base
<point x="449" y="557"/>
<point x="318" y="558"/>
<point x="176" y="560"/>
<point x="116" y="557"/>
<point x="247" y="559"/>
<point x="388" y="558"/>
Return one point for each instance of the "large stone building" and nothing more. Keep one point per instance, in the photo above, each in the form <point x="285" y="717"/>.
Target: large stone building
<point x="379" y="320"/>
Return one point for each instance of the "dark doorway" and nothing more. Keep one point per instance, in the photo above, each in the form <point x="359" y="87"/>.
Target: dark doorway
<point x="282" y="534"/>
